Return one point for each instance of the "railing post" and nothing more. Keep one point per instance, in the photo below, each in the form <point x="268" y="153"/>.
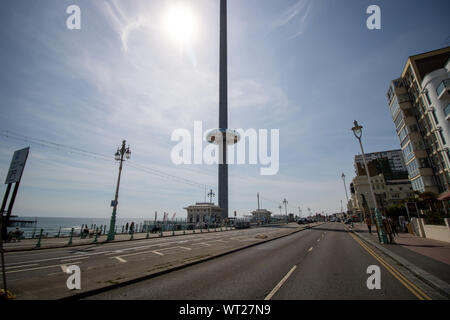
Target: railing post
<point x="96" y="236"/>
<point x="70" y="238"/>
<point x="38" y="244"/>
<point x="59" y="232"/>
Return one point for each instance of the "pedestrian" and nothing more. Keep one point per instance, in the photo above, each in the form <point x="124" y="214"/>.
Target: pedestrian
<point x="126" y="227"/>
<point x="393" y="227"/>
<point x="388" y="230"/>
<point x="369" y="224"/>
<point x="132" y="227"/>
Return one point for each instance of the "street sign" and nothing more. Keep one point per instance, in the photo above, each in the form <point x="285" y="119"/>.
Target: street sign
<point x="113" y="203"/>
<point x="17" y="164"/>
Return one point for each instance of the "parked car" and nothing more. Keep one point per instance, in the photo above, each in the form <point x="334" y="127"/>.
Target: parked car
<point x="348" y="221"/>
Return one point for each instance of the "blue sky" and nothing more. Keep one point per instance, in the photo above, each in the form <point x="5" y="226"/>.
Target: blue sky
<point x="305" y="67"/>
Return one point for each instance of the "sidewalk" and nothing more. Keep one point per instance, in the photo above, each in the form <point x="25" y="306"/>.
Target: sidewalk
<point x="50" y="243"/>
<point x="433" y="249"/>
<point x="428" y="259"/>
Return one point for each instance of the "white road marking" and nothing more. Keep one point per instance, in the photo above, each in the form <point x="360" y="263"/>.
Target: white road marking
<point x="120" y="259"/>
<point x="189" y="249"/>
<point x="58" y="258"/>
<point x="205" y="244"/>
<point x="76" y="258"/>
<point x="156" y="252"/>
<point x="310" y="249"/>
<point x="47" y="267"/>
<point x="278" y="286"/>
<point x="64" y="268"/>
<point x="23" y="266"/>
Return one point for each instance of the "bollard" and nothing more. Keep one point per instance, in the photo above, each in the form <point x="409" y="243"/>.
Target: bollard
<point x="70" y="238"/>
<point x="173" y="231"/>
<point x="38" y="244"/>
<point x="59" y="232"/>
<point x="161" y="233"/>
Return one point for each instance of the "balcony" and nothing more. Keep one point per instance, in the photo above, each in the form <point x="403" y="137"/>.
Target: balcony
<point x="443" y="89"/>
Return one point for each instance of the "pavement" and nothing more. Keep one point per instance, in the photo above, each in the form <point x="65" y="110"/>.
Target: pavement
<point x="324" y="262"/>
<point x="61" y="242"/>
<point x="41" y="274"/>
<point x="426" y="258"/>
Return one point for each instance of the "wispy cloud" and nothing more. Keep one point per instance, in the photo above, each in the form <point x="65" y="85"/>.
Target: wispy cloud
<point x="295" y="16"/>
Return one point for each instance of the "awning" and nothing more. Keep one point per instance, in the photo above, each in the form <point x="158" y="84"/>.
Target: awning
<point x="444" y="196"/>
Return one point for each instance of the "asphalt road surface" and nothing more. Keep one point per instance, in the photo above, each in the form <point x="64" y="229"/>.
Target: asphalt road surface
<point x="324" y="262"/>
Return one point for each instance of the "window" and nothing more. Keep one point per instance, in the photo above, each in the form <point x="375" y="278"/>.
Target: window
<point x="413" y="169"/>
<point x="442" y="137"/>
<point x="434" y="117"/>
<point x="402" y="135"/>
<point x="418" y="185"/>
<point x="394" y="108"/>
<point x="428" y="98"/>
<point x="447" y="110"/>
<point x="444" y="84"/>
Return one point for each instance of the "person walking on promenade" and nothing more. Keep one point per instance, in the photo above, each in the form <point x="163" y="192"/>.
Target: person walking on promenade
<point x="393" y="227"/>
<point x="126" y="227"/>
<point x="388" y="230"/>
<point x="369" y="224"/>
<point x="132" y="227"/>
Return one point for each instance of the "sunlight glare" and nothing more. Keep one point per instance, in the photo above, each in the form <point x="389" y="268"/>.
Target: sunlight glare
<point x="180" y="23"/>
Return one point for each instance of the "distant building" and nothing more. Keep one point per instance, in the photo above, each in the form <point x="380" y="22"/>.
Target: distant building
<point x="204" y="212"/>
<point x="389" y="178"/>
<point x="261" y="215"/>
<point x="394" y="159"/>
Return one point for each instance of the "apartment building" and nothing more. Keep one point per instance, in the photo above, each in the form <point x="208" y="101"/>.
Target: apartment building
<point x="389" y="178"/>
<point x="419" y="104"/>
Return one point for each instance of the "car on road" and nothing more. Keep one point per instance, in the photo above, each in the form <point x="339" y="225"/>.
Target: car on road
<point x="348" y="221"/>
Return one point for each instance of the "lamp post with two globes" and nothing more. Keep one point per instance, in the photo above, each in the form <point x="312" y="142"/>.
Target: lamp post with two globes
<point x="123" y="151"/>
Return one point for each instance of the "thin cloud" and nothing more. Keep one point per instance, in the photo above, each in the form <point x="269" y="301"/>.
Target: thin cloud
<point x="296" y="15"/>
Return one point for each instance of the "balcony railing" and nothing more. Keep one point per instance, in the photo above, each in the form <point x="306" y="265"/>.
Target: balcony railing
<point x="445" y="85"/>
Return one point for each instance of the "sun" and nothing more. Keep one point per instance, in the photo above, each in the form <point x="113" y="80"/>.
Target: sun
<point x="180" y="23"/>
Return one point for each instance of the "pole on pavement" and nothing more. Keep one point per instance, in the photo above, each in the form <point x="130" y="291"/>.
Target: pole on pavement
<point x="357" y="130"/>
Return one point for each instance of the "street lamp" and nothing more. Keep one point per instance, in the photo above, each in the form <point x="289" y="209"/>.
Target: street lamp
<point x="345" y="188"/>
<point x="123" y="151"/>
<point x="357" y="131"/>
<point x="285" y="202"/>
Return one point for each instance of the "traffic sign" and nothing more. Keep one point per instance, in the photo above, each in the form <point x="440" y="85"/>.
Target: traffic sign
<point x="17" y="164"/>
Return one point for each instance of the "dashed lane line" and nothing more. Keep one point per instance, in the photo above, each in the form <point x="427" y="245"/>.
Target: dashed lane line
<point x="278" y="286"/>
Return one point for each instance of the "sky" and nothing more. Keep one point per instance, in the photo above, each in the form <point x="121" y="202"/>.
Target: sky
<point x="308" y="68"/>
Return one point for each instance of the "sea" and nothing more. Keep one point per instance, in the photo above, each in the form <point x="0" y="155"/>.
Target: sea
<point x="53" y="226"/>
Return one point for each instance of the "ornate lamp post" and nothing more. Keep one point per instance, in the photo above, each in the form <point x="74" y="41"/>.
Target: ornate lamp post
<point x="123" y="151"/>
<point x="285" y="202"/>
<point x="357" y="131"/>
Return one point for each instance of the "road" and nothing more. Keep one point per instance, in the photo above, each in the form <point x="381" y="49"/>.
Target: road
<point x="41" y="274"/>
<point x="325" y="262"/>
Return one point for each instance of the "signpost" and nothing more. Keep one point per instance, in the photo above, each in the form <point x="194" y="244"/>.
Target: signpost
<point x="14" y="176"/>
